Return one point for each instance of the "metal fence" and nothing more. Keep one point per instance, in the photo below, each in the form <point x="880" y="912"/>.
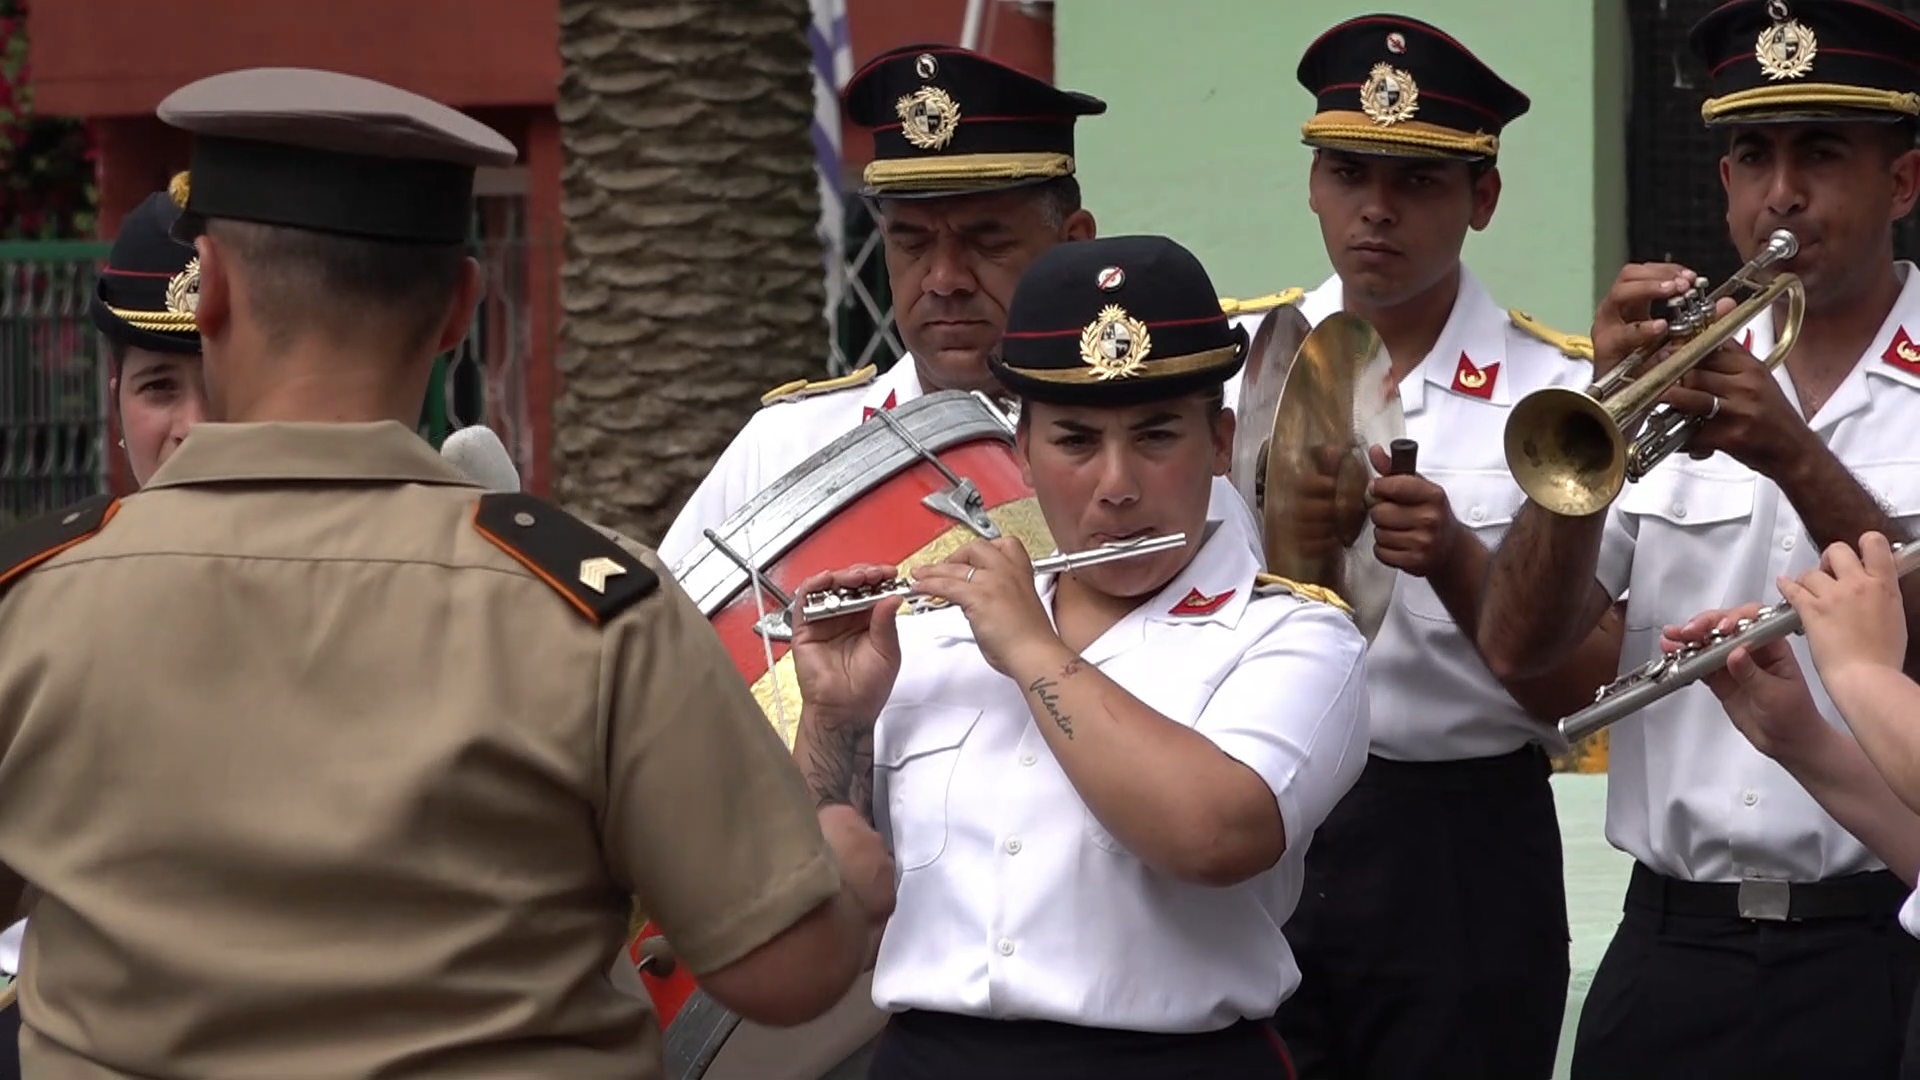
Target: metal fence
<point x="863" y="329"/>
<point x="55" y="433"/>
<point x="53" y="377"/>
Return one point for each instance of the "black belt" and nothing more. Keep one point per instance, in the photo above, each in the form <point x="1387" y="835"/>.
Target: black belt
<point x="1527" y="767"/>
<point x="1865" y="895"/>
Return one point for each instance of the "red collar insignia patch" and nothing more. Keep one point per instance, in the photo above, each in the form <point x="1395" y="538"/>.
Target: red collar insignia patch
<point x="1903" y="353"/>
<point x="866" y="413"/>
<point x="1747" y="342"/>
<point x="1475" y="381"/>
<point x="1197" y="603"/>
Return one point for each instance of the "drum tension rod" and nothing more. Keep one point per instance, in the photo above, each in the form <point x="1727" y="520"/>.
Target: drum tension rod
<point x="963" y="502"/>
<point x="777" y="624"/>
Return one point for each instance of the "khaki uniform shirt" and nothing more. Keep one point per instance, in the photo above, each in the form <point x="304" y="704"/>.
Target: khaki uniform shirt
<point x="317" y="780"/>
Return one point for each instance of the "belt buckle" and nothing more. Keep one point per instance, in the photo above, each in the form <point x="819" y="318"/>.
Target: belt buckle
<point x="1765" y="899"/>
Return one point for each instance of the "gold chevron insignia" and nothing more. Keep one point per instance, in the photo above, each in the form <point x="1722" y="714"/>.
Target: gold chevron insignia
<point x="595" y="572"/>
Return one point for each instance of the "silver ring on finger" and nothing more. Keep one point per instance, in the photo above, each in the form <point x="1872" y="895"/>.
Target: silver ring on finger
<point x="970" y="571"/>
<point x="1715" y="410"/>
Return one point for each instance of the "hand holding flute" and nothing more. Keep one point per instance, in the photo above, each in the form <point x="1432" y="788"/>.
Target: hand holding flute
<point x="827" y="603"/>
<point x="1850" y="608"/>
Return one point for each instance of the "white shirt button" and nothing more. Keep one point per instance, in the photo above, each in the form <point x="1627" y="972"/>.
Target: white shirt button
<point x="1478" y="513"/>
<point x="1679" y="510"/>
<point x="1013" y="846"/>
<point x="1028" y="759"/>
<point x="1786" y="544"/>
<point x="1006" y="947"/>
<point x="1750" y="798"/>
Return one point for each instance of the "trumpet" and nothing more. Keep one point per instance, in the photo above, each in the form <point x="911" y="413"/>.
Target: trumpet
<point x="1664" y="675"/>
<point x="1568" y="448"/>
<point x="831" y="602"/>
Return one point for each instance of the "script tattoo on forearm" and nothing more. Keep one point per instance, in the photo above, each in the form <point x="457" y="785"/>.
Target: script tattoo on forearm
<point x="1042" y="688"/>
<point x="840" y="769"/>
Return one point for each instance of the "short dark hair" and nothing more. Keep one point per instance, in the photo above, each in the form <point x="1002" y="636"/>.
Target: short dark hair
<point x="1897" y="136"/>
<point x="1058" y="198"/>
<point x="1213" y="397"/>
<point x="304" y="281"/>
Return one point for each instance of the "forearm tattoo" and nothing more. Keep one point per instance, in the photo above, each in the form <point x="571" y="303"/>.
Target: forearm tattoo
<point x="840" y="769"/>
<point x="1042" y="688"/>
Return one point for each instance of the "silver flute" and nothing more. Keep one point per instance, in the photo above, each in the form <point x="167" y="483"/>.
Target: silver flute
<point x="831" y="602"/>
<point x="1663" y="675"/>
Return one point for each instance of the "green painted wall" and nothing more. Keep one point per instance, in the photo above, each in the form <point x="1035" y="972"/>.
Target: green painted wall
<point x="1201" y="140"/>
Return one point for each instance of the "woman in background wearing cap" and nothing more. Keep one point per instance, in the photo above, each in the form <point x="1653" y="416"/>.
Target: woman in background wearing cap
<point x="1100" y="784"/>
<point x="142" y="304"/>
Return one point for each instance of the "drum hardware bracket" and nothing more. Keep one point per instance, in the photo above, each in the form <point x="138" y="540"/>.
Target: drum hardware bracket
<point x="775" y="625"/>
<point x="1007" y="412"/>
<point x="962" y="502"/>
<point x="656" y="957"/>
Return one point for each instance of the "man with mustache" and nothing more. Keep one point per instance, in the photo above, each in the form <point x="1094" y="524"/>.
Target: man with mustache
<point x="1454" y="804"/>
<point x="972" y="178"/>
<point x="1759" y="935"/>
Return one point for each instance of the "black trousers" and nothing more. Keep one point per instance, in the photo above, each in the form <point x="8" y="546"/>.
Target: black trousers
<point x="1432" y="929"/>
<point x="941" y="1046"/>
<point x="1910" y="1062"/>
<point x="10" y="1042"/>
<point x="1689" y="988"/>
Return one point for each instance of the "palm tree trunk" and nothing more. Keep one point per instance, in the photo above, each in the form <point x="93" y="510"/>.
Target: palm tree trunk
<point x="692" y="279"/>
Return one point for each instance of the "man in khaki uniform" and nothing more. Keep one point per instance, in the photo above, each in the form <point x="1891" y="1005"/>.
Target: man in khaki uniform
<point x="323" y="762"/>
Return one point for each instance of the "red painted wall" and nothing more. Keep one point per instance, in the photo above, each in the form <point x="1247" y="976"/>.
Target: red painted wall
<point x="115" y="58"/>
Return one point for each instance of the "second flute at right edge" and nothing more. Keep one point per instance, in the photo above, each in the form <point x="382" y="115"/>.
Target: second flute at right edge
<point x="1663" y="675"/>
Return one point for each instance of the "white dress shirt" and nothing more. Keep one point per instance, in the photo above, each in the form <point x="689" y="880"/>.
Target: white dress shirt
<point x="780" y="436"/>
<point x="1686" y="793"/>
<point x="10" y="940"/>
<point x="1910" y="914"/>
<point x="1015" y="903"/>
<point x="1433" y="697"/>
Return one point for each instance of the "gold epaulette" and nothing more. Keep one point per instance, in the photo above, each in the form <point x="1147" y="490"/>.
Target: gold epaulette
<point x="806" y="388"/>
<point x="1258" y="304"/>
<point x="1578" y="346"/>
<point x="1274" y="585"/>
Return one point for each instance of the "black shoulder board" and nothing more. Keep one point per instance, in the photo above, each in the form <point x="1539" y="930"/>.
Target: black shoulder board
<point x="597" y="576"/>
<point x="26" y="546"/>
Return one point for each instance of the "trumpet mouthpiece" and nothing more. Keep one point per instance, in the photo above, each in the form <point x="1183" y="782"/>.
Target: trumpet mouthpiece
<point x="1783" y="244"/>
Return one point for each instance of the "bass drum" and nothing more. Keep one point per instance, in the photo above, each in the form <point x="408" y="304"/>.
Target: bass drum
<point x="907" y="487"/>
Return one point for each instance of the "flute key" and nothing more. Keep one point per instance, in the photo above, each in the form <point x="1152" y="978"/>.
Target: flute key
<point x="846" y="601"/>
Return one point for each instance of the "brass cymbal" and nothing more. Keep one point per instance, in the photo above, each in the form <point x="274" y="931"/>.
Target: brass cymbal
<point x="1337" y="400"/>
<point x="1269" y="356"/>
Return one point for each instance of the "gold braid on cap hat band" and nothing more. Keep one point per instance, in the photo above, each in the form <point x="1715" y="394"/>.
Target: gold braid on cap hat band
<point x="178" y="322"/>
<point x="1357" y="130"/>
<point x="927" y="173"/>
<point x="1149" y="369"/>
<point x="1836" y="95"/>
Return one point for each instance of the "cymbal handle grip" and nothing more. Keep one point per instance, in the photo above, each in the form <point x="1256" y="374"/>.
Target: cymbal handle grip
<point x="1404" y="453"/>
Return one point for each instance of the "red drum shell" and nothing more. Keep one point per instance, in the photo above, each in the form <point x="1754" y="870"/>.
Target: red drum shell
<point x="862" y="499"/>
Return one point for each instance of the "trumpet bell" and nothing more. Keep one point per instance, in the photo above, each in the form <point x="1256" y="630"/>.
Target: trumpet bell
<point x="1309" y="493"/>
<point x="1566" y="451"/>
